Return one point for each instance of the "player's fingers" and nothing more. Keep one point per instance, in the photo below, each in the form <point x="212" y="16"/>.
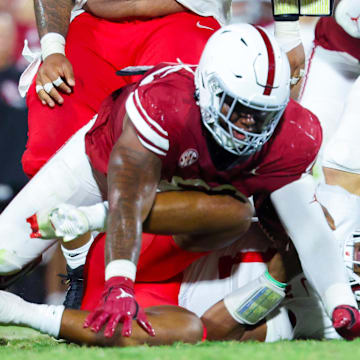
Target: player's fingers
<point x="69" y="74"/>
<point x="48" y="92"/>
<point x="44" y="97"/>
<point x="99" y="322"/>
<point x="111" y="325"/>
<point x="90" y="319"/>
<point x="296" y="77"/>
<point x="144" y="323"/>
<point x="146" y="326"/>
<point x="127" y="326"/>
<point x="61" y="85"/>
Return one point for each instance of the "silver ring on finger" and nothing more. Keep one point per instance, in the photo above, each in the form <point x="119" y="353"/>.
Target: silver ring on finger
<point x="38" y="88"/>
<point x="48" y="87"/>
<point x="57" y="82"/>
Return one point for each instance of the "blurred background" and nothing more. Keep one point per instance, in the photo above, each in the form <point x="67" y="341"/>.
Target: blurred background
<point x="17" y="23"/>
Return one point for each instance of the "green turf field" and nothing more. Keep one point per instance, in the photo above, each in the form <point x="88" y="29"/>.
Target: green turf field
<point x="23" y="344"/>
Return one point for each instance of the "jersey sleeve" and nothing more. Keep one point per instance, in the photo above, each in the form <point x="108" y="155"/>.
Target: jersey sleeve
<point x="150" y="132"/>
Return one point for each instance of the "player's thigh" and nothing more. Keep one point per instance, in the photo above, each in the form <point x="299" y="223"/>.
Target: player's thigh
<point x="327" y="84"/>
<point x="67" y="177"/>
<point x="342" y="152"/>
<point x="178" y="36"/>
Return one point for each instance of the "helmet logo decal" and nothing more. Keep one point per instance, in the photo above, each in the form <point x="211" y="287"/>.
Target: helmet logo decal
<point x="188" y="157"/>
<point x="271" y="56"/>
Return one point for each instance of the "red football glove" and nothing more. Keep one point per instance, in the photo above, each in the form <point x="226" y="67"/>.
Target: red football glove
<point x="118" y="304"/>
<point x="346" y="321"/>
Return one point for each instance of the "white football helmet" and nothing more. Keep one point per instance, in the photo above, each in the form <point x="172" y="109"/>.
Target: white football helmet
<point x="242" y="70"/>
<point x="347" y="15"/>
<point x="351" y="254"/>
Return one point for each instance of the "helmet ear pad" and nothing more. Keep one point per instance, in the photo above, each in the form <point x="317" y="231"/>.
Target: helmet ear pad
<point x="242" y="63"/>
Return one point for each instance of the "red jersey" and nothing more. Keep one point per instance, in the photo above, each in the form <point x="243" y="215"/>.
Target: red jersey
<point x="164" y="112"/>
<point x="331" y="36"/>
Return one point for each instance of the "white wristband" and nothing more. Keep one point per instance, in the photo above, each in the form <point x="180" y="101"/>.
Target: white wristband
<point x="52" y="43"/>
<point x="287" y="34"/>
<point x="122" y="267"/>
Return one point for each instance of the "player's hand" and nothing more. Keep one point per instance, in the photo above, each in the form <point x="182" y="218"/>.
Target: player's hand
<point x="296" y="58"/>
<point x="55" y="76"/>
<point x="346" y="321"/>
<point x="118" y="304"/>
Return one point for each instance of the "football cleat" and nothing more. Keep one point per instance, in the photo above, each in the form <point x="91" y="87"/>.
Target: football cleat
<point x="346" y="321"/>
<point x="75" y="281"/>
<point x="65" y="221"/>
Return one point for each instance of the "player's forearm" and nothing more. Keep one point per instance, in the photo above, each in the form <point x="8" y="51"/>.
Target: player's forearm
<point x="124" y="224"/>
<point x="188" y="212"/>
<point x="133" y="177"/>
<point x="119" y="9"/>
<point x="52" y="16"/>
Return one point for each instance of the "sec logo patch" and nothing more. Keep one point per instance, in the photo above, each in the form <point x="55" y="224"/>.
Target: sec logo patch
<point x="188" y="157"/>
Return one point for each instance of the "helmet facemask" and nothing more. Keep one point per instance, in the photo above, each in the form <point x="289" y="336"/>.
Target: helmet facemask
<point x="225" y="108"/>
<point x="351" y="254"/>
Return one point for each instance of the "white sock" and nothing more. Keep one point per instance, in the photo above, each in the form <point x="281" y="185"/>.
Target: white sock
<point x="16" y="311"/>
<point x="77" y="257"/>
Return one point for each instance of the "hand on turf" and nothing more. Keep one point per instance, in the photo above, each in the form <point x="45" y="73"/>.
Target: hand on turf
<point x="118" y="304"/>
<point x="346" y="321"/>
<point x="53" y="67"/>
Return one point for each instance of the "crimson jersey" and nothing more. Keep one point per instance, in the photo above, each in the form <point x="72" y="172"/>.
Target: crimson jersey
<point x="331" y="36"/>
<point x="167" y="119"/>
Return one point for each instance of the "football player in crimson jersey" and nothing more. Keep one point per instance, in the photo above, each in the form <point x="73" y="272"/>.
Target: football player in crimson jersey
<point x="200" y="291"/>
<point x="76" y="75"/>
<point x="231" y="143"/>
<point x="228" y="127"/>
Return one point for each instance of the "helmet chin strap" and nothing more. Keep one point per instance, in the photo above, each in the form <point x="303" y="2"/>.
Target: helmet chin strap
<point x="222" y="159"/>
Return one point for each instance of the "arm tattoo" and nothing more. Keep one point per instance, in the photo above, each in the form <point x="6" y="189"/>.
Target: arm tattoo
<point x="131" y="183"/>
<point x="52" y="16"/>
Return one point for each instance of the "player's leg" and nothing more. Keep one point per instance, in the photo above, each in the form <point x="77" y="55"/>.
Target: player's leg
<point x="171" y="323"/>
<point x="176" y="37"/>
<point x="64" y="178"/>
<point x="328" y="81"/>
<point x="341" y="156"/>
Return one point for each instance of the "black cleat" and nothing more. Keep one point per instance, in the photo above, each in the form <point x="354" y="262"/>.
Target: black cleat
<point x="75" y="280"/>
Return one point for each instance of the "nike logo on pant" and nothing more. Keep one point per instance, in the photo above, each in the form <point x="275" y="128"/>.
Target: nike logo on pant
<point x="203" y="26"/>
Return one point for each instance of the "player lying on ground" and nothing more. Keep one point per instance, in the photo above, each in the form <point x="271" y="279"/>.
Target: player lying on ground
<point x="230" y="272"/>
<point x="228" y="126"/>
<point x="171" y="323"/>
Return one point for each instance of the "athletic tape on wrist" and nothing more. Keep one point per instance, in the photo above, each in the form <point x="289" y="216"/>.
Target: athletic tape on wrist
<point x="254" y="301"/>
<point x="274" y="281"/>
<point x="52" y="43"/>
<point x="287" y="34"/>
<point x="125" y="268"/>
